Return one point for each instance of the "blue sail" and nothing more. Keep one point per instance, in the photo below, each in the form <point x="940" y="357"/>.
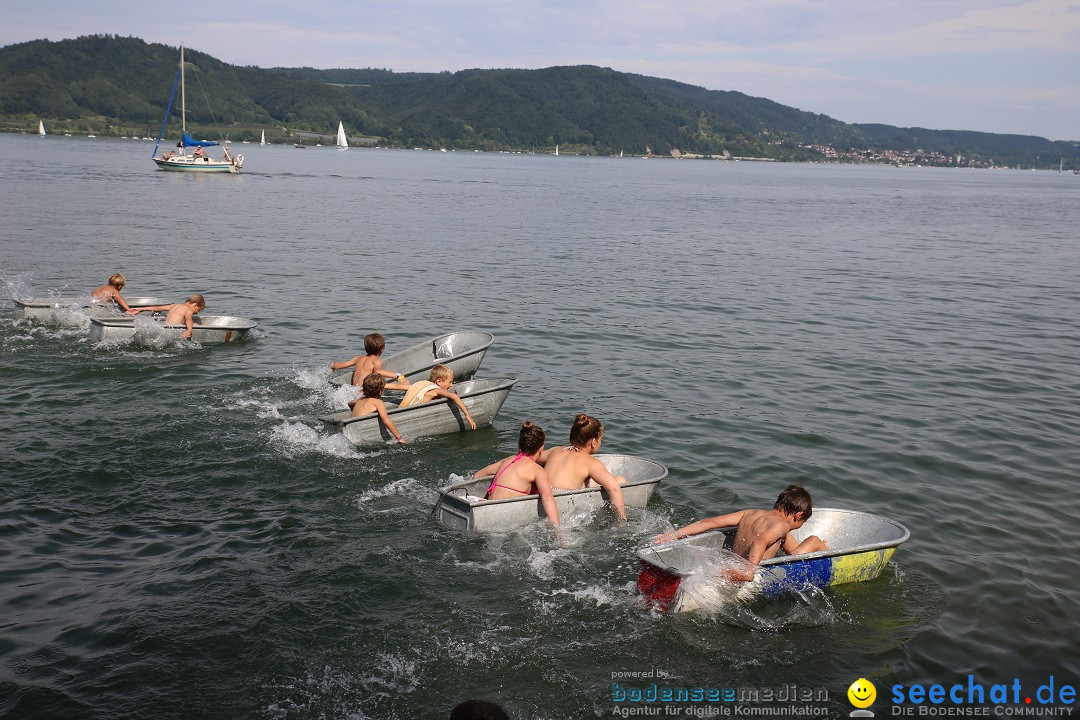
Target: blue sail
<point x="191" y="142"/>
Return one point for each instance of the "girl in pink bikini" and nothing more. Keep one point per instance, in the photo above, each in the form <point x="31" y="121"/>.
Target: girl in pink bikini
<point x="519" y="475"/>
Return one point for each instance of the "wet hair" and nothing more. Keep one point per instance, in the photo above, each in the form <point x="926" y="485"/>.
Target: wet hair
<point x="117" y="280"/>
<point x="374" y="344"/>
<point x="795" y="501"/>
<point x="584" y="429"/>
<point x="373" y="385"/>
<point x="198" y="299"/>
<point x="440" y="373"/>
<point x="478" y="710"/>
<point x="531" y="438"/>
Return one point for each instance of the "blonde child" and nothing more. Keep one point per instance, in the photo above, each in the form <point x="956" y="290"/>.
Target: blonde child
<point x="436" y="386"/>
<point x="364" y="365"/>
<point x="177" y="313"/>
<point x="521" y="475"/>
<point x="761" y="534"/>
<point x="110" y="292"/>
<point x="371" y="402"/>
<point x="573" y="466"/>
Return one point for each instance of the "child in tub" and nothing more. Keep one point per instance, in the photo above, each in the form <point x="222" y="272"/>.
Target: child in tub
<point x="520" y="475"/>
<point x="364" y="365"/>
<point x="177" y="313"/>
<point x="573" y="466"/>
<point x="761" y="534"/>
<point x="436" y="386"/>
<point x="371" y="402"/>
<point x="110" y="292"/>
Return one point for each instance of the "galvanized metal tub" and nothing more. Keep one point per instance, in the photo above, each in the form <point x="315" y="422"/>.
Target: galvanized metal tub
<point x="462" y="506"/>
<point x="208" y="329"/>
<point x="860" y="546"/>
<point x="461" y="351"/>
<point x="483" y="398"/>
<point x="73" y="311"/>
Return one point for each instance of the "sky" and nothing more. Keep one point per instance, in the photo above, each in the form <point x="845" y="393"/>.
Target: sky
<point x="1002" y="66"/>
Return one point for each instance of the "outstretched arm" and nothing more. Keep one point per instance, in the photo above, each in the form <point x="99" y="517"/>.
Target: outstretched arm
<point x="547" y="500"/>
<point x="121" y="301"/>
<point x="603" y="477"/>
<point x="344" y="363"/>
<point x="452" y="397"/>
<point x="189" y="321"/>
<point x="389" y="424"/>
<point x="150" y="308"/>
<point x="720" y="521"/>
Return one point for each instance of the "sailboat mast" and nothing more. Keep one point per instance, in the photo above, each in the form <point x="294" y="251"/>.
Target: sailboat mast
<point x="183" y="106"/>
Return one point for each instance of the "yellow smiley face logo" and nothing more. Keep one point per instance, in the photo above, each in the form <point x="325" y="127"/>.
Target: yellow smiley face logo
<point x="862" y="693"/>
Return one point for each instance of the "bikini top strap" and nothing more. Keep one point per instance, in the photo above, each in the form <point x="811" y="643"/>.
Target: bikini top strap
<point x="495" y="479"/>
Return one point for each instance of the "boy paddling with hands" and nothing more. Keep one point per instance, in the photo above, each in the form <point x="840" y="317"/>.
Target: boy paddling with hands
<point x="760" y="534"/>
<point x="110" y="292"/>
<point x="372" y="402"/>
<point x="364" y="365"/>
<point x="178" y="313"/>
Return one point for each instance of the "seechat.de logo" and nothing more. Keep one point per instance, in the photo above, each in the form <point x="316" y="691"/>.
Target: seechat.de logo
<point x="862" y="694"/>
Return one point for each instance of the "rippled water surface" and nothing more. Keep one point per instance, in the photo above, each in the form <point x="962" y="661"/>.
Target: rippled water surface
<point x="182" y="538"/>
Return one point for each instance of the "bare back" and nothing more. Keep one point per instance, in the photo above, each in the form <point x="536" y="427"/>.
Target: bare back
<point x="767" y="528"/>
<point x="365" y="406"/>
<point x="179" y="314"/>
<point x="105" y="293"/>
<point x="570" y="469"/>
<point x="515" y="478"/>
<point x="365" y="365"/>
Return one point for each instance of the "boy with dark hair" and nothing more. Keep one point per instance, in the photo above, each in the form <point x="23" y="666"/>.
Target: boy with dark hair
<point x="364" y="365"/>
<point x="760" y="534"/>
<point x="372" y="402"/>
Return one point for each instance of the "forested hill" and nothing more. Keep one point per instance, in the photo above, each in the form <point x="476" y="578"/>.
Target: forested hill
<point x="121" y="85"/>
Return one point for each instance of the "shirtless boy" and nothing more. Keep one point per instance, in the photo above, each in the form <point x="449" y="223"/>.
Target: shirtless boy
<point x="372" y="402"/>
<point x="760" y="534"/>
<point x="110" y="292"/>
<point x="364" y="365"/>
<point x="178" y="313"/>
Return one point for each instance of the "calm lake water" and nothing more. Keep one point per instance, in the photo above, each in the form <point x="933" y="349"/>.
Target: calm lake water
<point x="182" y="538"/>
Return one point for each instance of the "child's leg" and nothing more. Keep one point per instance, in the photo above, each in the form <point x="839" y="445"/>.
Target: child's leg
<point x="809" y="545"/>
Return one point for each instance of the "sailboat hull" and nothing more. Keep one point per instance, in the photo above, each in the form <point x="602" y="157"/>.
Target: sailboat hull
<point x="200" y="165"/>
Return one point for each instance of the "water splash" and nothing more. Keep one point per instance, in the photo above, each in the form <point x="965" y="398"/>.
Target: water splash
<point x="294" y="438"/>
<point x="712" y="590"/>
<point x="409" y="488"/>
<point x="18" y="285"/>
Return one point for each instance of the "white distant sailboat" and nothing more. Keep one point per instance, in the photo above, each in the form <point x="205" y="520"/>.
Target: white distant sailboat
<point x="342" y="143"/>
<point x="556" y="149"/>
<point x="262" y="141"/>
<point x="40" y="128"/>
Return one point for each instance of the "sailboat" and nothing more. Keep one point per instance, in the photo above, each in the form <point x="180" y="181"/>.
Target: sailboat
<point x="198" y="161"/>
<point x="262" y="141"/>
<point x="342" y="143"/>
<point x="40" y="128"/>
